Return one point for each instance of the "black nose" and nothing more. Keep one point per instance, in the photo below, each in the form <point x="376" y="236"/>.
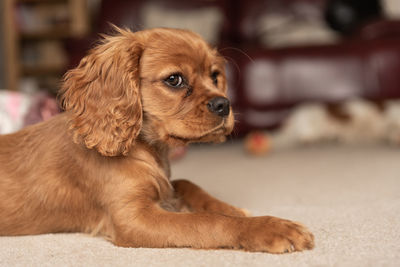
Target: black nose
<point x="219" y="106"/>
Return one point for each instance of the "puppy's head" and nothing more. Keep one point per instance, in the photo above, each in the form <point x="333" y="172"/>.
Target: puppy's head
<point x="183" y="87"/>
<point x="166" y="85"/>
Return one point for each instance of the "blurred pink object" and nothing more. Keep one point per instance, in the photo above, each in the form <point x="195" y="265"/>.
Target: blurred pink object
<point x="177" y="153"/>
<point x="18" y="109"/>
<point x="42" y="108"/>
<point x="13" y="107"/>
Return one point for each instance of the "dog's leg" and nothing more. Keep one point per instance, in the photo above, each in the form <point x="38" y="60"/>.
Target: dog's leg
<point x="198" y="200"/>
<point x="140" y="221"/>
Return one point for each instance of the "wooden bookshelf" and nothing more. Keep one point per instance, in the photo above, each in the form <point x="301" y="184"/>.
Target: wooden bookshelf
<point x="14" y="37"/>
<point x="11" y="52"/>
<point x="41" y="70"/>
<point x="40" y="1"/>
<point x="57" y="33"/>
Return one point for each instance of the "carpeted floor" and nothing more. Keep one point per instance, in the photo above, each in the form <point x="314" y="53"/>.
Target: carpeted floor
<point x="348" y="196"/>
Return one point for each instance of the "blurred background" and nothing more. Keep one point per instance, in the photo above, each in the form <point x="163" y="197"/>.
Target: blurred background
<point x="281" y="53"/>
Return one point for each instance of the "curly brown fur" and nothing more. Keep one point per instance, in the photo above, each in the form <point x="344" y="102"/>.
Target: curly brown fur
<point x="101" y="167"/>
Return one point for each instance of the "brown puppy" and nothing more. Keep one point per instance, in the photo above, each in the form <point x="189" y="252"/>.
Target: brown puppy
<point x="101" y="167"/>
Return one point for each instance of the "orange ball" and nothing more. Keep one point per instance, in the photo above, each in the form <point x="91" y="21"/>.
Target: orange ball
<point x="257" y="143"/>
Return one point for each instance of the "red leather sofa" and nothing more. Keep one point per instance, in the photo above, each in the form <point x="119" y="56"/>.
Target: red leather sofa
<point x="275" y="80"/>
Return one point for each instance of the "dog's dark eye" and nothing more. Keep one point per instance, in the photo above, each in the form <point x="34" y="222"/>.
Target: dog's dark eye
<point x="214" y="77"/>
<point x="175" y="80"/>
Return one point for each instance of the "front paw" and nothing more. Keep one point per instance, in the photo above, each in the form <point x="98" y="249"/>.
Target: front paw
<point x="275" y="235"/>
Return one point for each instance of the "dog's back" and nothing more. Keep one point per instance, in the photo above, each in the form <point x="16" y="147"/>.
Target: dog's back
<point x="32" y="189"/>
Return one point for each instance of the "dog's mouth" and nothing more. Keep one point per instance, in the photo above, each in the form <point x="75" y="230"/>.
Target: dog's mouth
<point x="215" y="134"/>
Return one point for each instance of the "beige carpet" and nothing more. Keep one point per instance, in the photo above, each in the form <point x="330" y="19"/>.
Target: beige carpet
<point x="348" y="196"/>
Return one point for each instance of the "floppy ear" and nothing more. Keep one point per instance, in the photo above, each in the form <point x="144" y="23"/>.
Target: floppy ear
<point x="102" y="96"/>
